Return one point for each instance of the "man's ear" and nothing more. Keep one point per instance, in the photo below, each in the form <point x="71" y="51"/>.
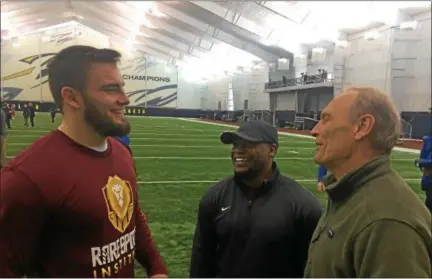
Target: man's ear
<point x="70" y="97"/>
<point x="272" y="150"/>
<point x="364" y="126"/>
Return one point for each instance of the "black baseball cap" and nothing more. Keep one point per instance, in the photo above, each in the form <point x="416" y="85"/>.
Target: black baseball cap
<point x="253" y="131"/>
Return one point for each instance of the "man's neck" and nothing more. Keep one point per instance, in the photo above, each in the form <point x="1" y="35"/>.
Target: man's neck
<point x="82" y="134"/>
<point x="353" y="163"/>
<point x="259" y="180"/>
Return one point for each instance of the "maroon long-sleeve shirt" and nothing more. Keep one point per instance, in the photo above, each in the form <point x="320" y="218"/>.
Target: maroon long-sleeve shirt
<point x="70" y="211"/>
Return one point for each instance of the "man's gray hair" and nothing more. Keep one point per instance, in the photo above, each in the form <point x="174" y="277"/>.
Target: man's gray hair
<point x="387" y="129"/>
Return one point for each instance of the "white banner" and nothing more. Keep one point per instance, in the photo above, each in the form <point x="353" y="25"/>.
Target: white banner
<point x="25" y="77"/>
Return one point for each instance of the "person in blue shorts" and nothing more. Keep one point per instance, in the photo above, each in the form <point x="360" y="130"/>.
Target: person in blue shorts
<point x="425" y="165"/>
<point x="125" y="140"/>
<point x="322" y="171"/>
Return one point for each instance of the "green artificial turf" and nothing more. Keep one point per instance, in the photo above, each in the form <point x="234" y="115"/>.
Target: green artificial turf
<point x="178" y="160"/>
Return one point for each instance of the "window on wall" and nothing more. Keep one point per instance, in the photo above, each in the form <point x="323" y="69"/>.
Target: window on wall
<point x="230" y="96"/>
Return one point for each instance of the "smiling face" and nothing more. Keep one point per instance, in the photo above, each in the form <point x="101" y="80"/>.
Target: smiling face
<point x="250" y="159"/>
<point x="104" y="100"/>
<point x="334" y="133"/>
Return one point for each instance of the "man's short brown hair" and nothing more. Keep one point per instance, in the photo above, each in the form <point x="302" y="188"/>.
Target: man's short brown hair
<point x="70" y="67"/>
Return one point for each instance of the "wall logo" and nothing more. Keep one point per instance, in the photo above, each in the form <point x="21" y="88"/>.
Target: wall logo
<point x="119" y="200"/>
<point x="142" y="94"/>
<point x="63" y="37"/>
<point x="150" y="78"/>
<point x="13" y="92"/>
<point x="141" y="63"/>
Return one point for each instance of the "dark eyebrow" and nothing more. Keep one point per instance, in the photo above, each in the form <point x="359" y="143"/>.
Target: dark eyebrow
<point x="118" y="85"/>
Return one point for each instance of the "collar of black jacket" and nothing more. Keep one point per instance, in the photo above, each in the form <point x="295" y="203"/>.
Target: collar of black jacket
<point x="267" y="184"/>
<point x="347" y="185"/>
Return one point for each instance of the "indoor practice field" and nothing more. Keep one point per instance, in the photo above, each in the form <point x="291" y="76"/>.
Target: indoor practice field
<point x="177" y="160"/>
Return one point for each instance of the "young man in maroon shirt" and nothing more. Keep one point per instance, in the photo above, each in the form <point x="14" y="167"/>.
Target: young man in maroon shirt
<point x="68" y="203"/>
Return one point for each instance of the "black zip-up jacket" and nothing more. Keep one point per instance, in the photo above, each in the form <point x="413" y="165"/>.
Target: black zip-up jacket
<point x="260" y="233"/>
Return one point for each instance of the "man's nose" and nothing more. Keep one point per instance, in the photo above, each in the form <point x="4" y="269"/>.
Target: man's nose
<point x="124" y="99"/>
<point x="315" y="130"/>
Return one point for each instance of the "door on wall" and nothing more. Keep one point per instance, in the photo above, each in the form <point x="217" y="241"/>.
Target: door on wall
<point x="203" y="103"/>
<point x="273" y="101"/>
<point x="246" y="103"/>
<point x="219" y="105"/>
<point x="300" y="96"/>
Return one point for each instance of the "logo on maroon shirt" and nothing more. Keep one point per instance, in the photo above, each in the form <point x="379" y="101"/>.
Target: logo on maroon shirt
<point x="119" y="200"/>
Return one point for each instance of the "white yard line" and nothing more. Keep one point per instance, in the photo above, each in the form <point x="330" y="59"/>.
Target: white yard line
<point x="162" y="137"/>
<point x="214" y="181"/>
<point x="215" y="139"/>
<point x="408" y="150"/>
<point x="27" y="136"/>
<point x="16" y="133"/>
<point x="173" y="134"/>
<point x="135" y="130"/>
<point x="228" y="158"/>
<point x="234" y="126"/>
<point x="29" y="130"/>
<point x="177" y="146"/>
<point x="182" y="127"/>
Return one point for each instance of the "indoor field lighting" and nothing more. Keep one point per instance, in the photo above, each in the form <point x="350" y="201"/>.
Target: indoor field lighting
<point x="341" y="44"/>
<point x="371" y="35"/>
<point x="408" y="25"/>
<point x="318" y="50"/>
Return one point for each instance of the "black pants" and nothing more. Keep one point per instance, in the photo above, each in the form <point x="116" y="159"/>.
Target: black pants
<point x="8" y="119"/>
<point x="32" y="121"/>
<point x="52" y="118"/>
<point x="429" y="199"/>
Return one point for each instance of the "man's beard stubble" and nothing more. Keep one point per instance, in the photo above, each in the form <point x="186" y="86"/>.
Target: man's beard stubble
<point x="252" y="172"/>
<point x="102" y="124"/>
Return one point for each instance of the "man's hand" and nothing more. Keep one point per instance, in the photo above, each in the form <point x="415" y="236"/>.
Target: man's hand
<point x="159" y="276"/>
<point x="427" y="171"/>
<point x="321" y="187"/>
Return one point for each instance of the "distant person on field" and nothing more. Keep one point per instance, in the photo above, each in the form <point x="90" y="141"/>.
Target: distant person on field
<point x="69" y="203"/>
<point x="53" y="112"/>
<point x="12" y="111"/>
<point x="322" y="172"/>
<point x="7" y="109"/>
<point x="427" y="172"/>
<point x="125" y="140"/>
<point x="258" y="222"/>
<point x="26" y="114"/>
<point x="32" y="113"/>
<point x="375" y="224"/>
<point x="425" y="165"/>
<point x="3" y="137"/>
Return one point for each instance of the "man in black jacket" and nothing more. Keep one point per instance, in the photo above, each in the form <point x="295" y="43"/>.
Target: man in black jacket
<point x="257" y="223"/>
<point x="32" y="113"/>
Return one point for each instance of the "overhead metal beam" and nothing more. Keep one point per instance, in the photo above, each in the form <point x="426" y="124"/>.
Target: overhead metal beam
<point x="274" y="12"/>
<point x="176" y="11"/>
<point x="206" y="12"/>
<point x="107" y="30"/>
<point x="165" y="27"/>
<point x="114" y="36"/>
